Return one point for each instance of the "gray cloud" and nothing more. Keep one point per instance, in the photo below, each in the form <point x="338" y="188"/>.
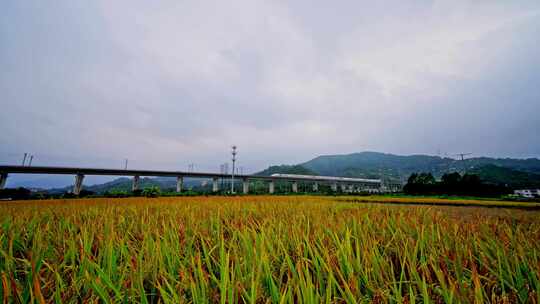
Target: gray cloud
<point x="170" y="83"/>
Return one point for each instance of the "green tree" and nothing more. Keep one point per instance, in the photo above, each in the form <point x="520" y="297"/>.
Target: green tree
<point x="153" y="191"/>
<point x="425" y="179"/>
<point x="451" y="178"/>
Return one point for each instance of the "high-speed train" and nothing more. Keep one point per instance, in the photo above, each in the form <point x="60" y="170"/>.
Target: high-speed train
<point x="328" y="178"/>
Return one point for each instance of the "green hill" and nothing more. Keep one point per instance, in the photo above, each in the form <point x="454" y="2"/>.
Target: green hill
<point x="505" y="176"/>
<point x="374" y="164"/>
<point x="286" y="169"/>
<point x="125" y="184"/>
<point x="516" y="173"/>
<point x="394" y="167"/>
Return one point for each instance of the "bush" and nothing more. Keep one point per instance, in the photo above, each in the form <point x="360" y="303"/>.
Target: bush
<point x="68" y="195"/>
<point x="151" y="191"/>
<point x="15" y="193"/>
<point x="116" y="193"/>
<point x="85" y="193"/>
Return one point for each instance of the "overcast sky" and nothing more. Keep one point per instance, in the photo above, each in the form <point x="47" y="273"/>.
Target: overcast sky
<point x="167" y="83"/>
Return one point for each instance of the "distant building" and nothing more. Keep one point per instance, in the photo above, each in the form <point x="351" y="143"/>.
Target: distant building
<point x="392" y="187"/>
<point x="528" y="193"/>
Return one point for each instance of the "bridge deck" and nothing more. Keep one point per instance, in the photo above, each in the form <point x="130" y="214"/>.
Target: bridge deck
<point x="131" y="172"/>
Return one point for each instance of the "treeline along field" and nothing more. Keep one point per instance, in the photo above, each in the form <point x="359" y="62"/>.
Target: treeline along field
<point x="265" y="249"/>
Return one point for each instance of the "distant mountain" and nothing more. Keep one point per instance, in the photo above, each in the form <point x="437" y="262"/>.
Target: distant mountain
<point x="374" y="164"/>
<point x="531" y="165"/>
<point x="286" y="169"/>
<point x="513" y="172"/>
<point x="399" y="167"/>
<point x="125" y="184"/>
<point x="48" y="181"/>
<point x="367" y="164"/>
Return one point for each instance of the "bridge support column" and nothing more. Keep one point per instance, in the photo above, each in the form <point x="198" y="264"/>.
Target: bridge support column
<point x="343" y="187"/>
<point x="215" y="185"/>
<point x="271" y="187"/>
<point x="245" y="186"/>
<point x="295" y="186"/>
<point x="334" y="187"/>
<point x="179" y="183"/>
<point x="315" y="187"/>
<point x="135" y="185"/>
<point x="3" y="180"/>
<point x="77" y="187"/>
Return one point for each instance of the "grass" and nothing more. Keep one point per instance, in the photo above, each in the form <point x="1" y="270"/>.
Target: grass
<point x="265" y="249"/>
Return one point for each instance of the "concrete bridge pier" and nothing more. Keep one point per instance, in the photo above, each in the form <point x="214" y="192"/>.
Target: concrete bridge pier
<point x="135" y="185"/>
<point x="245" y="186"/>
<point x="215" y="185"/>
<point x="334" y="187"/>
<point x="316" y="187"/>
<point x="295" y="186"/>
<point x="271" y="187"/>
<point x="343" y="187"/>
<point x="179" y="183"/>
<point x="3" y="180"/>
<point x="77" y="187"/>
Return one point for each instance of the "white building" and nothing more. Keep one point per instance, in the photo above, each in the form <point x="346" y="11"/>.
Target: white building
<point x="529" y="193"/>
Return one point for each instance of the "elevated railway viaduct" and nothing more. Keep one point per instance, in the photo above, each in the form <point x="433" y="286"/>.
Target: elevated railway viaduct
<point x="346" y="184"/>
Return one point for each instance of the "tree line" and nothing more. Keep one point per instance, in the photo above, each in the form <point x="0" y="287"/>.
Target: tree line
<point x="452" y="184"/>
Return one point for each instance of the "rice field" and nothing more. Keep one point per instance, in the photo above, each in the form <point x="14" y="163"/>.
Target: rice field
<point x="265" y="249"/>
<point x="443" y="202"/>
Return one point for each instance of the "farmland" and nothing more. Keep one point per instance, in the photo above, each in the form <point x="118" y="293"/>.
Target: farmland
<point x="259" y="249"/>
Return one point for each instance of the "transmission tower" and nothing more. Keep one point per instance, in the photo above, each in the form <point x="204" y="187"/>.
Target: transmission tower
<point x="462" y="155"/>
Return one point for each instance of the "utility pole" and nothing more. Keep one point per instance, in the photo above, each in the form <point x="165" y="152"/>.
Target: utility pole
<point x="125" y="164"/>
<point x="24" y="159"/>
<point x="233" y="163"/>
<point x="223" y="172"/>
